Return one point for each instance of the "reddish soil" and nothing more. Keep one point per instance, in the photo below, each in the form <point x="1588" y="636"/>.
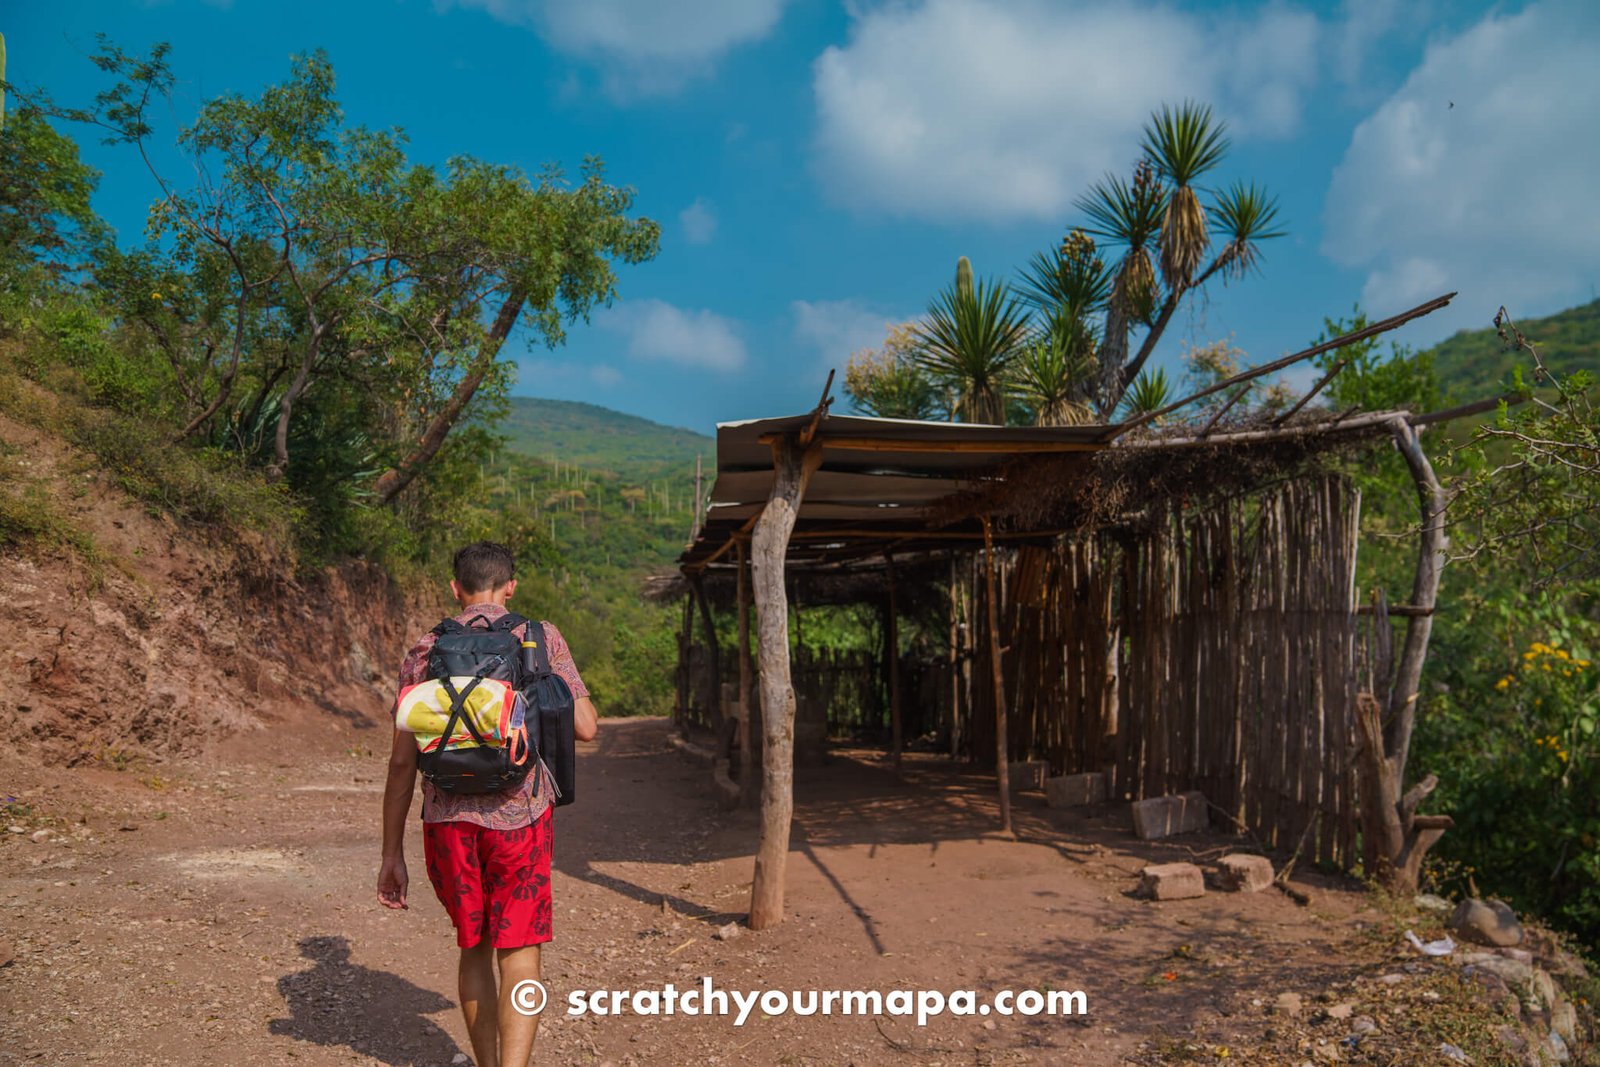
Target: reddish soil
<point x="222" y="910"/>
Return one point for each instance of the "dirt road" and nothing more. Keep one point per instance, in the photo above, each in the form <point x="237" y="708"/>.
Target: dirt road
<point x="223" y="912"/>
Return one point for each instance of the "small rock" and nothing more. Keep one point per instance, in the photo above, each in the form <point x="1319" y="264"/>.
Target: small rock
<point x="1391" y="979"/>
<point x="1288" y="1004"/>
<point x="729" y="932"/>
<point x="1341" y="1011"/>
<point x="1363" y="1025"/>
<point x="1513" y="972"/>
<point x="460" y="1059"/>
<point x="1558" y="1047"/>
<point x="39" y="837"/>
<point x="988" y="1024"/>
<point x="1430" y="902"/>
<point x="1244" y="873"/>
<point x="1451" y="1052"/>
<point x="16" y="829"/>
<point x="1490" y="923"/>
<point x="7" y="953"/>
<point x="1563" y="1019"/>
<point x="1172" y="881"/>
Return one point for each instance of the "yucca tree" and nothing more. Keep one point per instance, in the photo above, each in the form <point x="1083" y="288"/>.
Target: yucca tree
<point x="1126" y="213"/>
<point x="1183" y="144"/>
<point x="1180" y="146"/>
<point x="1054" y="373"/>
<point x="1072" y="281"/>
<point x="968" y="341"/>
<point x="1150" y="391"/>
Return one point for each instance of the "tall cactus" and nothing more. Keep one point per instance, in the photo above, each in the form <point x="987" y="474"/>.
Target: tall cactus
<point x="964" y="276"/>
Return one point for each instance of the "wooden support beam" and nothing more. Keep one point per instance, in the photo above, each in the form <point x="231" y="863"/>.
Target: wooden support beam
<point x="769" y="546"/>
<point x="713" y="683"/>
<point x="1288" y="361"/>
<point x="1238" y="395"/>
<point x="749" y="780"/>
<point x="892" y="641"/>
<point x="1002" y="767"/>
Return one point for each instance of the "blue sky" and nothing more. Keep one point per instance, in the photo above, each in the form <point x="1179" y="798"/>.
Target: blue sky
<point x="818" y="166"/>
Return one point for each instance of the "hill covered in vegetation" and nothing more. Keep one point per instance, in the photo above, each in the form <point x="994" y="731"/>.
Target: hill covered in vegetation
<point x="1477" y="363"/>
<point x="600" y="439"/>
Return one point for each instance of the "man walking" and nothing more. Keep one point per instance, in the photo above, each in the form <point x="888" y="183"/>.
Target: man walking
<point x="487" y="854"/>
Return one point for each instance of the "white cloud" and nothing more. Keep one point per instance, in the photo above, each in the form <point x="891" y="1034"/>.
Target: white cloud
<point x="644" y="46"/>
<point x="657" y="330"/>
<point x="699" y="222"/>
<point x="1478" y="173"/>
<point x="973" y="109"/>
<point x="838" y="329"/>
<point x="605" y="375"/>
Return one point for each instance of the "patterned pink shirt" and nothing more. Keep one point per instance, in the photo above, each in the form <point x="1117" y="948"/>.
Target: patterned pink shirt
<point x="514" y="807"/>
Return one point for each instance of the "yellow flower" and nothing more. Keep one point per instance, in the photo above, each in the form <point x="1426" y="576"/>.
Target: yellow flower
<point x="1504" y="683"/>
<point x="1530" y="655"/>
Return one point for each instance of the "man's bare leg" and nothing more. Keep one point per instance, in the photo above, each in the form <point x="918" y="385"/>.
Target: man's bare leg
<point x="475" y="980"/>
<point x="517" y="1030"/>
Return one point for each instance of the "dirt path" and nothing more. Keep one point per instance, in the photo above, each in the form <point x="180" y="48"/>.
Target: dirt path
<point x="223" y="912"/>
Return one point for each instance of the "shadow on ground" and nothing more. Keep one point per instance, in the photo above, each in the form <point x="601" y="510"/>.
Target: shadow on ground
<point x="338" y="1003"/>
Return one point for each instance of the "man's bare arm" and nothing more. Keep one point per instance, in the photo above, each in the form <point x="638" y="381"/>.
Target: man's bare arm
<point x="585" y="721"/>
<point x="398" y="790"/>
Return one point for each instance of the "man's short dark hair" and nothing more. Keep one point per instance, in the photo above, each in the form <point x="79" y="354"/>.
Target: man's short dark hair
<point x="483" y="565"/>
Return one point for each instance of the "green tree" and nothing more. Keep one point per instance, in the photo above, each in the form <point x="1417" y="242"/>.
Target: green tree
<point x="310" y="254"/>
<point x="1159" y="210"/>
<point x="46" y="221"/>
<point x="888" y="382"/>
<point x="968" y="341"/>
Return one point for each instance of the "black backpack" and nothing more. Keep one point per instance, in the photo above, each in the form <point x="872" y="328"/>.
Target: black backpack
<point x="492" y="650"/>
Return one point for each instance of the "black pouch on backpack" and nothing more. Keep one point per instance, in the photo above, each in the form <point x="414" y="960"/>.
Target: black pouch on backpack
<point x="550" y="707"/>
<point x="471" y="651"/>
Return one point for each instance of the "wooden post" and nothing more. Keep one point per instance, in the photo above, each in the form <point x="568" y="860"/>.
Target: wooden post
<point x="892" y="639"/>
<point x="1002" y="766"/>
<point x="1395" y="838"/>
<point x="792" y="467"/>
<point x="685" y="663"/>
<point x="749" y="781"/>
<point x="713" y="651"/>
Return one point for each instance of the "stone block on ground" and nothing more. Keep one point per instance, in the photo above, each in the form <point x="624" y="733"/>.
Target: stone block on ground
<point x="1241" y="872"/>
<point x="1158" y="817"/>
<point x="1491" y="923"/>
<point x="1026" y="774"/>
<point x="1172" y="881"/>
<point x="1075" y="790"/>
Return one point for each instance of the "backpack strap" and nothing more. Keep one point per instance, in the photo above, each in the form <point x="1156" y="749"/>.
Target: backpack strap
<point x="508" y="622"/>
<point x="537" y="637"/>
<point x="457" y="706"/>
<point x="447" y="626"/>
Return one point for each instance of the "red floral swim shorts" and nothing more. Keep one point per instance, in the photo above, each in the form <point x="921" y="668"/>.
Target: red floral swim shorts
<point x="494" y="883"/>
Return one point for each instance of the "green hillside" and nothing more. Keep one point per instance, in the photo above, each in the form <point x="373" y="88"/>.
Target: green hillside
<point x="600" y="439"/>
<point x="1476" y="363"/>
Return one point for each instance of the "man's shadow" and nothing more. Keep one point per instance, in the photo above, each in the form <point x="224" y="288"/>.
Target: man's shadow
<point x="377" y="1014"/>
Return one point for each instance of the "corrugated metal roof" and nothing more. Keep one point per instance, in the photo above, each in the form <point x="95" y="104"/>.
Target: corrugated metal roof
<point x="880" y="481"/>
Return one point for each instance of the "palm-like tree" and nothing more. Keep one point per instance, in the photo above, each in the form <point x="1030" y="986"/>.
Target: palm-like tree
<point x="1127" y="214"/>
<point x="1151" y="391"/>
<point x="968" y="340"/>
<point x="1183" y="144"/>
<point x="1054" y="373"/>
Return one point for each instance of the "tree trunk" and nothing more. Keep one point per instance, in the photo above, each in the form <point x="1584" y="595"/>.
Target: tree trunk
<point x="891" y="632"/>
<point x="393" y="481"/>
<point x="1395" y="838"/>
<point x="769" y="548"/>
<point x="1002" y="766"/>
<point x="302" y="376"/>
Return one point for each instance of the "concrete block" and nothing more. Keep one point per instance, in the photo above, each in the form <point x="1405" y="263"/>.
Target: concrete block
<point x="1244" y="873"/>
<point x="1172" y="881"/>
<point x="1027" y="774"/>
<point x="1157" y="817"/>
<point x="1075" y="790"/>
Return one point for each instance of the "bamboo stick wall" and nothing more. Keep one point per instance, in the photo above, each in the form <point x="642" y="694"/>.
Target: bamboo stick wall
<point x="1214" y="651"/>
